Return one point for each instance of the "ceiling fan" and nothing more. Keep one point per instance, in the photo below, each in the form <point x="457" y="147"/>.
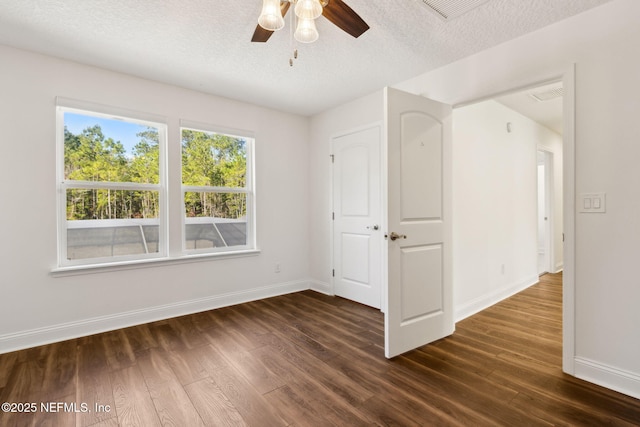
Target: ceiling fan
<point x="336" y="11"/>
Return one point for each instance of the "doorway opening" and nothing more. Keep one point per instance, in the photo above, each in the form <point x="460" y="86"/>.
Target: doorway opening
<point x="505" y="232"/>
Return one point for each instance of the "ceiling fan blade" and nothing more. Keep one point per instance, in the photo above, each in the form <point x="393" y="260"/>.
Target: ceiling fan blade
<point x="345" y="18"/>
<point x="261" y="35"/>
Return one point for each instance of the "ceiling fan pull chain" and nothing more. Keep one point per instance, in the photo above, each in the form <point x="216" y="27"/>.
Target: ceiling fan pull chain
<point x="293" y="48"/>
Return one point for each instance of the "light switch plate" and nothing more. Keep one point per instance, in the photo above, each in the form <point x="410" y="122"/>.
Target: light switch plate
<point x="593" y="203"/>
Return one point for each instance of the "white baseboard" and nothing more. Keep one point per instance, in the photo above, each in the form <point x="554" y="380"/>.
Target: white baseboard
<point x="559" y="267"/>
<point x="322" y="287"/>
<point x="485" y="301"/>
<point x="616" y="379"/>
<point x="49" y="334"/>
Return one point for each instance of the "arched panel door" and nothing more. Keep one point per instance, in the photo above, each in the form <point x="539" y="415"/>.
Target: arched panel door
<point x="419" y="285"/>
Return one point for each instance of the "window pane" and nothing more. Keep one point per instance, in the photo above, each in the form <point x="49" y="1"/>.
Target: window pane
<point x="215" y="220"/>
<point x="213" y="204"/>
<point x="109" y="150"/>
<point x="90" y="240"/>
<point x="211" y="159"/>
<point x="216" y="233"/>
<point x="108" y="223"/>
<point x="83" y="204"/>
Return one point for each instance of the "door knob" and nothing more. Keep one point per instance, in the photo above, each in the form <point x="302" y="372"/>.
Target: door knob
<point x="395" y="236"/>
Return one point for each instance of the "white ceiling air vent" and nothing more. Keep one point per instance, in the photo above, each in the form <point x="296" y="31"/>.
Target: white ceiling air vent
<point x="449" y="9"/>
<point x="548" y="94"/>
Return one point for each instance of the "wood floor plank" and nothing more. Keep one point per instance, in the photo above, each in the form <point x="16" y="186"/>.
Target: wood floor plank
<point x="168" y="336"/>
<point x="251" y="405"/>
<point x="334" y="411"/>
<point x="477" y="331"/>
<point x="318" y="394"/>
<point x="472" y="391"/>
<point x="559" y="413"/>
<point x="295" y="409"/>
<point x="310" y="404"/>
<point x="132" y="400"/>
<point x="602" y="400"/>
<point x="171" y="401"/>
<point x="7" y="362"/>
<point x="186" y="365"/>
<point x="516" y="318"/>
<point x="250" y="365"/>
<point x="59" y="377"/>
<point x="118" y="349"/>
<point x="464" y="374"/>
<point x="324" y="332"/>
<point x="298" y="337"/>
<point x="209" y="358"/>
<point x="140" y="339"/>
<point x="381" y="413"/>
<point x="339" y="384"/>
<point x="394" y="388"/>
<point x="214" y="407"/>
<point x="94" y="385"/>
<point x="229" y="341"/>
<point x="24" y="383"/>
<point x="338" y="328"/>
<point x="110" y="422"/>
<point x="341" y="310"/>
<point x="58" y="416"/>
<point x="244" y="317"/>
<point x="23" y="386"/>
<point x="189" y="332"/>
<point x="473" y="359"/>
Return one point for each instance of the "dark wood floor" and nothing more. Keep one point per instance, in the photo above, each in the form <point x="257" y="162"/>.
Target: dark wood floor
<point x="311" y="360"/>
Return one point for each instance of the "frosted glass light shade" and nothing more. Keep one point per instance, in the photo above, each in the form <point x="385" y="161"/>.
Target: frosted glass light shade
<point x="271" y="16"/>
<point x="306" y="32"/>
<point x="308" y="9"/>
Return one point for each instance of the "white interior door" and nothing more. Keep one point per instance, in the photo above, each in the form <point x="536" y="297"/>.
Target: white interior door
<point x="419" y="288"/>
<point x="357" y="235"/>
<point x="545" y="194"/>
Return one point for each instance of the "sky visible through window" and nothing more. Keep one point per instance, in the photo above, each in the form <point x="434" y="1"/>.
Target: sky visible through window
<point x="119" y="130"/>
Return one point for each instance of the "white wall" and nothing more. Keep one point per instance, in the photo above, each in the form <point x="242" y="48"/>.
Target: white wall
<point x="494" y="204"/>
<point x="603" y="43"/>
<point x="36" y="307"/>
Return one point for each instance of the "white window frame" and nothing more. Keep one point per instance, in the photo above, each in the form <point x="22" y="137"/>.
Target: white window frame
<point x="64" y="105"/>
<point x="248" y="190"/>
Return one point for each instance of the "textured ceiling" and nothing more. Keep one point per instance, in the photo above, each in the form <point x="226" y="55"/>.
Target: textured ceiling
<point x="547" y="113"/>
<point x="205" y="44"/>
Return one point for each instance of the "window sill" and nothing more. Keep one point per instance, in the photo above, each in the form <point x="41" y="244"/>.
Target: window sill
<point x="148" y="263"/>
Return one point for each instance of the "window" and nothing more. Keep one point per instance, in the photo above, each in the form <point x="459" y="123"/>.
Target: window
<point x="217" y="191"/>
<point x="113" y="176"/>
<point x="111" y="188"/>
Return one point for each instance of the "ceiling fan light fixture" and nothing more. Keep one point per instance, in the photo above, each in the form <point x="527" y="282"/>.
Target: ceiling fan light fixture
<point x="271" y="17"/>
<point x="308" y="9"/>
<point x="306" y="31"/>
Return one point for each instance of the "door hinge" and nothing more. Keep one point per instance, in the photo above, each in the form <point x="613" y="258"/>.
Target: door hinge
<point x="333" y="216"/>
<point x="332" y="158"/>
<point x="333" y="273"/>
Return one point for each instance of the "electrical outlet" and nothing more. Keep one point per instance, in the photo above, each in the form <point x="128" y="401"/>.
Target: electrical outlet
<point x="277" y="269"/>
